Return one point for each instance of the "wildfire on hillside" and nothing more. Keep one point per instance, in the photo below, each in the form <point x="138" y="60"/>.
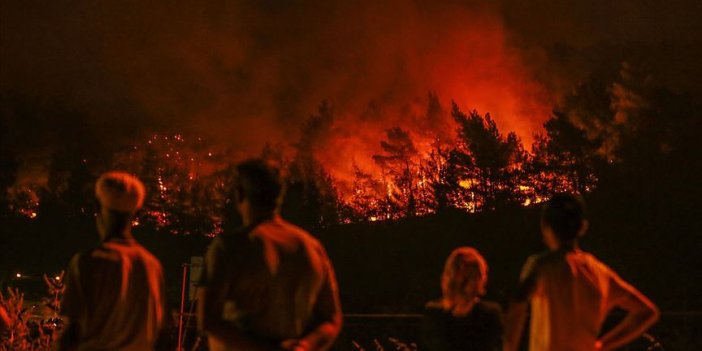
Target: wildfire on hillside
<point x="478" y="169"/>
<point x="344" y="169"/>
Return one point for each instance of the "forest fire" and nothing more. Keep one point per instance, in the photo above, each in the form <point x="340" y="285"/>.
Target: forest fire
<point x="414" y="109"/>
<point x="381" y="144"/>
<point x="403" y="129"/>
<point x="477" y="169"/>
<point x="405" y="173"/>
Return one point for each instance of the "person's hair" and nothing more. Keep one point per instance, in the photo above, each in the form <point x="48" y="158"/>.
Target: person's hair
<point x="564" y="214"/>
<point x="120" y="191"/>
<point x="465" y="274"/>
<point x="259" y="182"/>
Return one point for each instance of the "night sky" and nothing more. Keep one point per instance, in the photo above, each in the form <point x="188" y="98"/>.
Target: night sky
<point x="243" y="74"/>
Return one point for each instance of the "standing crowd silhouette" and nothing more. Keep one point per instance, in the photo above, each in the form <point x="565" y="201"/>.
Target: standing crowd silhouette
<point x="269" y="285"/>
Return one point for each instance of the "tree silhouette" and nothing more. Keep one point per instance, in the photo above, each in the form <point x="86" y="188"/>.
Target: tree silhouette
<point x="312" y="199"/>
<point x="399" y="169"/>
<point x="441" y="178"/>
<point x="565" y="159"/>
<point x="368" y="200"/>
<point x="490" y="163"/>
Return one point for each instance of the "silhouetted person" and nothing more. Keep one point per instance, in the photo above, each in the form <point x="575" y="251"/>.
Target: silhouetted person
<point x="460" y="320"/>
<point x="113" y="297"/>
<point x="268" y="285"/>
<point x="571" y="292"/>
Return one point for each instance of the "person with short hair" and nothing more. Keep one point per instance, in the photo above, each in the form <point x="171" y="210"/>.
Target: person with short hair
<point x="461" y="320"/>
<point x="113" y="296"/>
<point x="571" y="292"/>
<point x="268" y="285"/>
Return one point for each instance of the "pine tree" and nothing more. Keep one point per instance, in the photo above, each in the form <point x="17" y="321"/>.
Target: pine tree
<point x="490" y="163"/>
<point x="400" y="170"/>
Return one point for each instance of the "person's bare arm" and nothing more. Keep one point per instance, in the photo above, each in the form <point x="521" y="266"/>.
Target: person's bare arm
<point x="327" y="316"/>
<point x="642" y="314"/>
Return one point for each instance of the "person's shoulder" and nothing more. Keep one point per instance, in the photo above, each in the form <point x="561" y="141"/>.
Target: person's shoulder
<point x="548" y="259"/>
<point x="294" y="229"/>
<point x="536" y="261"/>
<point x="147" y="256"/>
<point x="96" y="259"/>
<point x="97" y="254"/>
<point x="299" y="234"/>
<point x="596" y="264"/>
<point x="590" y="258"/>
<point x="538" y="257"/>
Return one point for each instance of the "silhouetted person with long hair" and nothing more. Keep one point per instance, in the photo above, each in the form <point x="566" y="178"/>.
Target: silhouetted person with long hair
<point x="268" y="285"/>
<point x="461" y="320"/>
<point x="113" y="298"/>
<point x="571" y="291"/>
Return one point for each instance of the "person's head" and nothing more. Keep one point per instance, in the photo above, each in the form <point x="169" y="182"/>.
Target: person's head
<point x="120" y="195"/>
<point x="465" y="275"/>
<point x="563" y="221"/>
<point x="258" y="189"/>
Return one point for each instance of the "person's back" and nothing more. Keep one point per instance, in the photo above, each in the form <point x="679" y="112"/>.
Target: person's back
<point x="270" y="284"/>
<point x="461" y="320"/>
<point x="574" y="289"/>
<point x="115" y="296"/>
<point x="479" y="330"/>
<point x="278" y="269"/>
<point x="571" y="292"/>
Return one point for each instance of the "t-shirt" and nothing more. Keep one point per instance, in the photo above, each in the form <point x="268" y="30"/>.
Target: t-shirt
<point x="114" y="294"/>
<point x="274" y="281"/>
<point x="479" y="330"/>
<point x="571" y="293"/>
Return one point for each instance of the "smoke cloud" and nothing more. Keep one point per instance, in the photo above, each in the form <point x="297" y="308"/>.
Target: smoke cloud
<point x="248" y="73"/>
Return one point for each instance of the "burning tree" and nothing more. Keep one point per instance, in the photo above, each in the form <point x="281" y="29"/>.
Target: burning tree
<point x="186" y="183"/>
<point x="399" y="172"/>
<point x="491" y="164"/>
<point x="414" y="172"/>
<point x="367" y="200"/>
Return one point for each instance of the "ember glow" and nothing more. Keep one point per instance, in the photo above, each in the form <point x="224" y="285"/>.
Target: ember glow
<point x="184" y="181"/>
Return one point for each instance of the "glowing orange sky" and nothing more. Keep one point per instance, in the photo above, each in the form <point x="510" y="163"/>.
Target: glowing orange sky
<point x="244" y="74"/>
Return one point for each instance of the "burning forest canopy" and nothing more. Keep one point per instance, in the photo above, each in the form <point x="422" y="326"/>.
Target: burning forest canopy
<point x="379" y="110"/>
